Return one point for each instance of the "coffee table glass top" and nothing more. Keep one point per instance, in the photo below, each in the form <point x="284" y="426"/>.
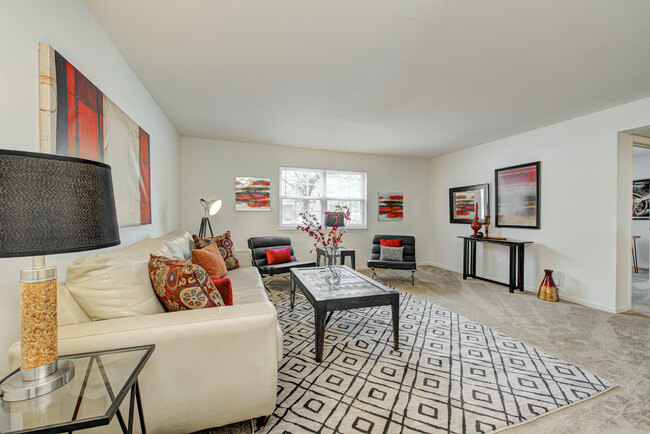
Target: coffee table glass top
<point x="101" y="381"/>
<point x="352" y="284"/>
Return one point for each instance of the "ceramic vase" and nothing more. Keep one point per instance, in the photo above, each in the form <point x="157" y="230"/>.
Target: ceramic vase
<point x="548" y="290"/>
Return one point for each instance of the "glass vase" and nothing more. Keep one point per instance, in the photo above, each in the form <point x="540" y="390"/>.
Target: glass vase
<point x="333" y="275"/>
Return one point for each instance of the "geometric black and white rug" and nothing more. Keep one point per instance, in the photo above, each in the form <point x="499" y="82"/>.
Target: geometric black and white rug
<point x="450" y="374"/>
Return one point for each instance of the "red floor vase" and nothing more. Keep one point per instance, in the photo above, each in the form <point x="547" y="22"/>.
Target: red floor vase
<point x="548" y="290"/>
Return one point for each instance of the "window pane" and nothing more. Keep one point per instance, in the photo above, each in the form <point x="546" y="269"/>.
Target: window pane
<point x="342" y="184"/>
<point x="305" y="183"/>
<point x="291" y="209"/>
<point x="353" y="205"/>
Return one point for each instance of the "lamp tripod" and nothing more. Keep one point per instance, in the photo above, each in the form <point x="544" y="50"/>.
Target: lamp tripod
<point x="210" y="208"/>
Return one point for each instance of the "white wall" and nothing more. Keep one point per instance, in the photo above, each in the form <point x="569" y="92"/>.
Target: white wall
<point x="578" y="202"/>
<point x="209" y="168"/>
<point x="641" y="170"/>
<point x="71" y="29"/>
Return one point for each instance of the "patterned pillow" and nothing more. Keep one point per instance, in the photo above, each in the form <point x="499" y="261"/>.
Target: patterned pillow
<point x="181" y="285"/>
<point x="393" y="254"/>
<point x="224" y="243"/>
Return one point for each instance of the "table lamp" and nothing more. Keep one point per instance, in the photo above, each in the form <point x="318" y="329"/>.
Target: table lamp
<point x="49" y="204"/>
<point x="211" y="208"/>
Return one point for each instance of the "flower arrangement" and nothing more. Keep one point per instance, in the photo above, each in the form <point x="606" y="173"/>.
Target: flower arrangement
<point x="315" y="230"/>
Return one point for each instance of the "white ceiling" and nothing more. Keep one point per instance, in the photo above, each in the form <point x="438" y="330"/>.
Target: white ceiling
<point x="418" y="78"/>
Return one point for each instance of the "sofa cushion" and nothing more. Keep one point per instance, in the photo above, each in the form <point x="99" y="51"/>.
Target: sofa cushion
<point x="210" y="260"/>
<point x="225" y="245"/>
<point x="181" y="285"/>
<point x="180" y="244"/>
<point x="116" y="284"/>
<point x="245" y="277"/>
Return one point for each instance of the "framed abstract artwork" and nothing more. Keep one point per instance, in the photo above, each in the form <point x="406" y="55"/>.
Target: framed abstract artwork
<point x="517" y="196"/>
<point x="463" y="201"/>
<point x="252" y="194"/>
<point x="78" y="120"/>
<point x="391" y="206"/>
<point x="640" y="194"/>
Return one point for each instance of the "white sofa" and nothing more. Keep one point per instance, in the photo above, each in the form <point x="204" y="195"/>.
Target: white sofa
<point x="211" y="367"/>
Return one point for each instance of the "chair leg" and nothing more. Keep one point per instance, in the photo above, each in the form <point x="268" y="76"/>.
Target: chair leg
<point x="373" y="273"/>
<point x="412" y="277"/>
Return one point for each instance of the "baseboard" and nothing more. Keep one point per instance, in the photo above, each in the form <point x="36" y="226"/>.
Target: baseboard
<point x="532" y="289"/>
<point x="624" y="308"/>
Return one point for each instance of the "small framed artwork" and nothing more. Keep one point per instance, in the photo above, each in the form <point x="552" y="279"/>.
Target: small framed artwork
<point x="463" y="202"/>
<point x="517" y="196"/>
<point x="391" y="206"/>
<point x="640" y="193"/>
<point x="252" y="194"/>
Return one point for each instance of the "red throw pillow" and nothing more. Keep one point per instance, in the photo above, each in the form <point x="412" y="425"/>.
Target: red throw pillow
<point x="390" y="243"/>
<point x="225" y="289"/>
<point x="278" y="256"/>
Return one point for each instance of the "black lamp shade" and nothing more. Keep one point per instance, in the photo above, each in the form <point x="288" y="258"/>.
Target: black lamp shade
<point x="54" y="204"/>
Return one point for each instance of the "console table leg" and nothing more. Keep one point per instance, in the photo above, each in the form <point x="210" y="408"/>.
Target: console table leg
<point x="512" y="283"/>
<point x="520" y="267"/>
<point x="473" y="265"/>
<point x="465" y="243"/>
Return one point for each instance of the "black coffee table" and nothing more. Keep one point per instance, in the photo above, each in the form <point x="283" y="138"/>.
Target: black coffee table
<point x="355" y="291"/>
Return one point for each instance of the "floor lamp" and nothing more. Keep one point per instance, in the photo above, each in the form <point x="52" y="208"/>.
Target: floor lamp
<point x="49" y="204"/>
<point x="211" y="208"/>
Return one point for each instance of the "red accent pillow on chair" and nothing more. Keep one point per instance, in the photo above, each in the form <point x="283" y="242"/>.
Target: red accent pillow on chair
<point x="225" y="289"/>
<point x="391" y="243"/>
<point x="278" y="256"/>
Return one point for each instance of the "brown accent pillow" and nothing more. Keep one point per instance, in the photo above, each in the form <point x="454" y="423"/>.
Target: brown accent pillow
<point x="211" y="260"/>
<point x="224" y="243"/>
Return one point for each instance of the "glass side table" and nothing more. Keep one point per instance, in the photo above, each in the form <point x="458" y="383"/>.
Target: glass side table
<point x="92" y="398"/>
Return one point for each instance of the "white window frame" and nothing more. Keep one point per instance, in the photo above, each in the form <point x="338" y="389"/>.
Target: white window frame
<point x="324" y="198"/>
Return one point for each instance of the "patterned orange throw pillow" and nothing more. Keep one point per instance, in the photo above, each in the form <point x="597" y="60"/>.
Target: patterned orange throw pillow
<point x="225" y="245"/>
<point x="181" y="285"/>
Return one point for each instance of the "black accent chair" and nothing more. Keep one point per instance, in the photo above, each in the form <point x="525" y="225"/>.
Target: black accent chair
<point x="258" y="245"/>
<point x="409" y="255"/>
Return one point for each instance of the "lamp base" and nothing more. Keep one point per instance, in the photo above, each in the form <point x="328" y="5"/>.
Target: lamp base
<point x="16" y="388"/>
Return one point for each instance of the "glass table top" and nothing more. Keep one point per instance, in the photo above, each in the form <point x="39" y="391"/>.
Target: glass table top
<point x="352" y="284"/>
<point x="101" y="381"/>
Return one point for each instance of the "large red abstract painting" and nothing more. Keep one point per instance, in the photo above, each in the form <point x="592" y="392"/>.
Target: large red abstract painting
<point x="78" y="120"/>
<point x="517" y="194"/>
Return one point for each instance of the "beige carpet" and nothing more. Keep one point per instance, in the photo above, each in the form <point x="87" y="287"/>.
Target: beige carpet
<point x="615" y="347"/>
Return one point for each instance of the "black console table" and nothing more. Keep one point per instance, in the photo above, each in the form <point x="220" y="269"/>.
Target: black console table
<point x="516" y="268"/>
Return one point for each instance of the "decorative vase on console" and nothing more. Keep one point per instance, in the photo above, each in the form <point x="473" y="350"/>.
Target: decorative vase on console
<point x="476" y="225"/>
<point x="329" y="240"/>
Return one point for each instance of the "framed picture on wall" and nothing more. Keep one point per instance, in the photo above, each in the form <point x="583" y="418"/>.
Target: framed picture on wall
<point x="463" y="202"/>
<point x="517" y="196"/>
<point x="640" y="193"/>
<point x="252" y="194"/>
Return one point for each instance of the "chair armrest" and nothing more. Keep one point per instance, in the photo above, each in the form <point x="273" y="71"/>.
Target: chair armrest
<point x="218" y="364"/>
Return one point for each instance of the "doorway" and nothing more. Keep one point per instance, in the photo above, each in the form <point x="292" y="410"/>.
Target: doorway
<point x="640" y="291"/>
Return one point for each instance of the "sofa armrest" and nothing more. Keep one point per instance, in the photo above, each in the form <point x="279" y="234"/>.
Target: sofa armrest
<point x="245" y="257"/>
<point x="218" y="365"/>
